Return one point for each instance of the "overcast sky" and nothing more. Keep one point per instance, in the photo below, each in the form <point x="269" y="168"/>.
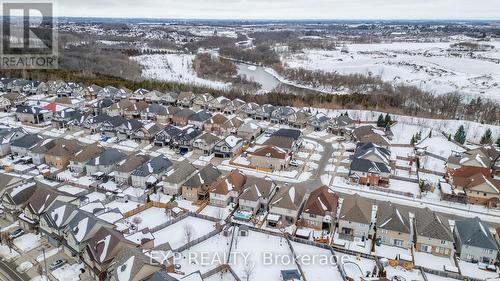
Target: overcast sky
<point x="283" y="9"/>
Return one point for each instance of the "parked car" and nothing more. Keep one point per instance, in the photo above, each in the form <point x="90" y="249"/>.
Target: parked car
<point x="57" y="264"/>
<point x="294" y="163"/>
<point x="16" y="233"/>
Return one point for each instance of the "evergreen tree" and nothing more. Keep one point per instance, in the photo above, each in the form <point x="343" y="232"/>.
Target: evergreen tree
<point x="460" y="135"/>
<point x="412" y="142"/>
<point x="449" y="137"/>
<point x="498" y="142"/>
<point x="380" y="121"/>
<point x="387" y="120"/>
<point x="430" y="134"/>
<point x="486" y="138"/>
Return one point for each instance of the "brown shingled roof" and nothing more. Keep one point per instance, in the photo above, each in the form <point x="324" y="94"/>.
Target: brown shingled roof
<point x="321" y="201"/>
<point x="235" y="180"/>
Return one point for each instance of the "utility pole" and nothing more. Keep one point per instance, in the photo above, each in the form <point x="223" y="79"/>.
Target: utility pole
<point x="45" y="263"/>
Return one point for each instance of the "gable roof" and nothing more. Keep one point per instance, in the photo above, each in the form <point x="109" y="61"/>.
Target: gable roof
<point x="156" y="165"/>
<point x="357" y="209"/>
<point x="109" y="157"/>
<point x="88" y="152"/>
<point x="289" y="197"/>
<point x="104" y="245"/>
<point x="181" y="171"/>
<point x="390" y="217"/>
<point x="59" y="214"/>
<point x="473" y="232"/>
<point x="27" y="141"/>
<point x="42" y="199"/>
<point x="270" y="151"/>
<point x="256" y="188"/>
<point x="131" y="163"/>
<point x="65" y="147"/>
<point x="128" y="262"/>
<point x="232" y="181"/>
<point x="321" y="201"/>
<point x="364" y="165"/>
<point x="430" y="224"/>
<point x="206" y="176"/>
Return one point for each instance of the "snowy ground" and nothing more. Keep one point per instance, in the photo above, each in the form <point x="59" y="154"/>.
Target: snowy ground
<point x="256" y="244"/>
<point x="175" y="234"/>
<point x="473" y="270"/>
<point x="217" y="246"/>
<point x="68" y="272"/>
<point x="174" y="68"/>
<point x="316" y="270"/>
<point x="150" y="218"/>
<point x="432" y="262"/>
<point x="424" y="65"/>
<point x="27" y="242"/>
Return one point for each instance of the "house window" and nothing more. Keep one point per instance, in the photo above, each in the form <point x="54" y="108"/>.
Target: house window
<point x="398" y="242"/>
<point x="312" y="216"/>
<point x="426" y="248"/>
<point x="444" y="242"/>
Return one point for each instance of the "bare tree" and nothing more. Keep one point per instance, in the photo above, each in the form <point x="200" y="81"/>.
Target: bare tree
<point x="249" y="270"/>
<point x="136" y="221"/>
<point x="188" y="232"/>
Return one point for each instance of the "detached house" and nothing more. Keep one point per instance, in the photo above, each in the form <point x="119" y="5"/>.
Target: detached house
<point x="320" y="209"/>
<point x="32" y="114"/>
<point x="146" y="134"/>
<point x="228" y="147"/>
<point x="341" y="125"/>
<point x="149" y="173"/>
<point x="478" y="185"/>
<point x="393" y="226"/>
<point x="79" y="160"/>
<point x="167" y="135"/>
<point x="227" y="189"/>
<point x="105" y="163"/>
<point x="286" y="139"/>
<point x="205" y="143"/>
<point x="125" y="169"/>
<point x="263" y="112"/>
<point x="8" y="135"/>
<point x="248" y="110"/>
<point x="199" y="118"/>
<point x="299" y="119"/>
<point x="155" y="112"/>
<point x="214" y="124"/>
<point x="181" y="118"/>
<point x="81" y="228"/>
<point x="198" y="186"/>
<point x="54" y="221"/>
<point x="218" y="104"/>
<point x="318" y="122"/>
<point x="270" y="157"/>
<point x="474" y="242"/>
<point x="355" y="217"/>
<point x="280" y="114"/>
<point x="60" y="155"/>
<point x="134" y="111"/>
<point x="202" y="101"/>
<point x="256" y="194"/>
<point x="185" y="99"/>
<point x="128" y="129"/>
<point x="368" y="133"/>
<point x="102" y="249"/>
<point x="286" y="205"/>
<point x="133" y="264"/>
<point x="117" y="109"/>
<point x="174" y="179"/>
<point x="433" y="233"/>
<point x="23" y="145"/>
<point x="249" y="131"/>
<point x="233" y="107"/>
<point x="169" y="98"/>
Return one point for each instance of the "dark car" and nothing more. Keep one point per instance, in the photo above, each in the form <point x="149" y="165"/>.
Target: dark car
<point x="57" y="264"/>
<point x="16" y="233"/>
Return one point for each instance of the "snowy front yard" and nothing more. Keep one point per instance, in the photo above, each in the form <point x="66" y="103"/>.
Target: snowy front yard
<point x="27" y="242"/>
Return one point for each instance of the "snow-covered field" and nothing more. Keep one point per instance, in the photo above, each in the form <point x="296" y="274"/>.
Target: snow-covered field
<point x="175" y="233"/>
<point x="174" y="68"/>
<point x="425" y="65"/>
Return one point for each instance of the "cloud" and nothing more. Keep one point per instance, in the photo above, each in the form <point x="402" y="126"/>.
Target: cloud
<point x="283" y="9"/>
